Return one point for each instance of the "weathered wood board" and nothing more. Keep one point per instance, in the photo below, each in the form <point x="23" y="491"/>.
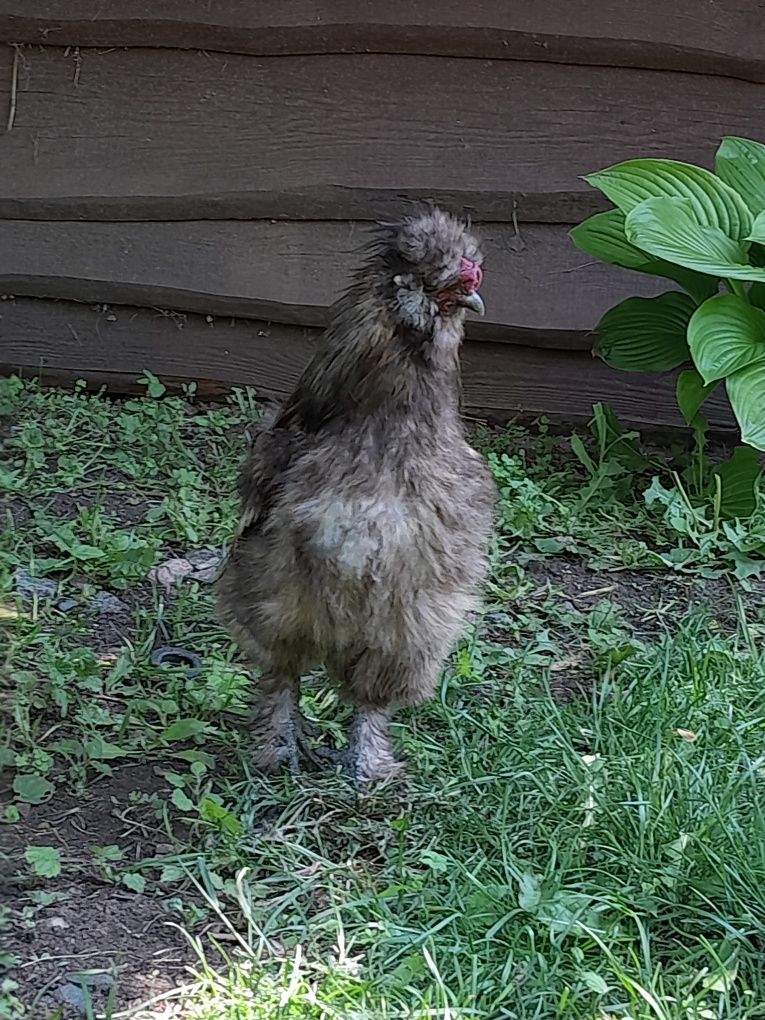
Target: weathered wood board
<point x="164" y="134"/>
<point x="62" y="341"/>
<point x="537" y="287"/>
<point x="225" y="160"/>
<point x="709" y="37"/>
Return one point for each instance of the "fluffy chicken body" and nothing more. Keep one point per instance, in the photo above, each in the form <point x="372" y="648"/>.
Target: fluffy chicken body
<point x="365" y="512"/>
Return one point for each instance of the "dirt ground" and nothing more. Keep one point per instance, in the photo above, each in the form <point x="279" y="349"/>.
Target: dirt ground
<point x="123" y="938"/>
<point x="116" y="935"/>
<point x="83" y="926"/>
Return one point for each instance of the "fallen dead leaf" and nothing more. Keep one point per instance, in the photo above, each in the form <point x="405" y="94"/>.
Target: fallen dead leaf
<point x="9" y="613"/>
<point x="566" y="663"/>
<point x="168" y="573"/>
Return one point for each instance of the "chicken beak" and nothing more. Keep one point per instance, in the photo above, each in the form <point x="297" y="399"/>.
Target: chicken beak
<point x="473" y="301"/>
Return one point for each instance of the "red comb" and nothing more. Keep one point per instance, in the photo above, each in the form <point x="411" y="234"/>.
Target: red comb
<point x="470" y="273"/>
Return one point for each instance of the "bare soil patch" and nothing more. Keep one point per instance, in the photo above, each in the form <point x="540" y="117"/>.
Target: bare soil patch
<point x="117" y="936"/>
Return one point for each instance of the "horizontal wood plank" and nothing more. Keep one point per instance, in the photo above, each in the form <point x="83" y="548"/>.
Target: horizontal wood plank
<point x="538" y="288"/>
<point x="701" y="36"/>
<point x="171" y="134"/>
<point x="60" y="342"/>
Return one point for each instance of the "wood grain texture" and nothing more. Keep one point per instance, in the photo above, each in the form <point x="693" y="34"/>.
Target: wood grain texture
<point x="61" y="341"/>
<point x="700" y="36"/>
<point x="171" y="134"/>
<point x="538" y="288"/>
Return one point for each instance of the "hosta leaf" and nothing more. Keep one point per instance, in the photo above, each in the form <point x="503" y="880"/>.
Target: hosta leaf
<point x="738" y="483"/>
<point x="691" y="392"/>
<point x="603" y="236"/>
<point x="711" y="202"/>
<point x="740" y="162"/>
<point x="746" y="391"/>
<point x="666" y="228"/>
<point x="698" y="285"/>
<point x="646" y="334"/>
<point x="756" y="295"/>
<point x="758" y="229"/>
<point x="726" y="334"/>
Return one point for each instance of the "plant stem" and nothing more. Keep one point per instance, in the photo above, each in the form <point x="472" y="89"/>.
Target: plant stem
<point x="736" y="287"/>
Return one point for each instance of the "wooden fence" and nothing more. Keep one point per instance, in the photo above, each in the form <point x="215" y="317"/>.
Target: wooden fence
<point x="184" y="185"/>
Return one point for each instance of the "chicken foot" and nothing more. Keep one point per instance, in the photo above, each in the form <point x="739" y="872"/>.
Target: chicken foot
<point x="280" y="732"/>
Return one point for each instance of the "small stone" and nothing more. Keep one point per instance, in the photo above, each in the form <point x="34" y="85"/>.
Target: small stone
<point x="206" y="575"/>
<point x="111" y="317"/>
<point x="206" y="563"/>
<point x="201" y="559"/>
<point x="100" y="979"/>
<point x="72" y="995"/>
<point x="497" y="620"/>
<point x="30" y="586"/>
<point x="67" y="605"/>
<point x="57" y="923"/>
<point x="106" y="603"/>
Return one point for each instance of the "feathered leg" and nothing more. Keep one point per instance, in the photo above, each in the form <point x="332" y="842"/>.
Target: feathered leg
<point x="376" y="684"/>
<point x="274" y="722"/>
<point x="277" y="728"/>
<point x="371" y="754"/>
<point x="281" y="735"/>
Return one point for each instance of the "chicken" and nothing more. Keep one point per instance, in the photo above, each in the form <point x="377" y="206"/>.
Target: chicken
<point x="365" y="514"/>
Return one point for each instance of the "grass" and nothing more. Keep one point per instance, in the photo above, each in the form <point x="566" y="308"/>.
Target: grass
<point x="598" y="855"/>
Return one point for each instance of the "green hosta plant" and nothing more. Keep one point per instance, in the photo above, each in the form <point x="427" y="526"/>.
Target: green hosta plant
<point x="705" y="232"/>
